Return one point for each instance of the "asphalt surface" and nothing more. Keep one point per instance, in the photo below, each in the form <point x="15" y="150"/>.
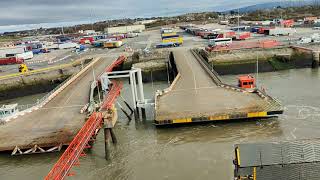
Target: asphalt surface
<point x="56" y="122"/>
<point x="196" y="95"/>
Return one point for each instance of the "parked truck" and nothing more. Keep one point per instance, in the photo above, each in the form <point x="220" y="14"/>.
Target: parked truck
<point x="112" y="44"/>
<point x="68" y="45"/>
<point x="280" y="32"/>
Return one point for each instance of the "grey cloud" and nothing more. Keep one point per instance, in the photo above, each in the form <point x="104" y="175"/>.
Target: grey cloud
<point x="14" y="12"/>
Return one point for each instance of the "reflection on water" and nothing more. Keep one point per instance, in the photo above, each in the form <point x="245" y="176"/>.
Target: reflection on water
<point x="202" y="151"/>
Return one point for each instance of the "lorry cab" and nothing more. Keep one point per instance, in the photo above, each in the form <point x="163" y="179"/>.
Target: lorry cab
<point x="246" y="82"/>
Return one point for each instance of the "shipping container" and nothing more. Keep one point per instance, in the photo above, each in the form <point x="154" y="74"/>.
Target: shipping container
<point x="168" y="37"/>
<point x="287" y="23"/>
<point x="242" y="35"/>
<point x="12" y="50"/>
<point x="220" y="42"/>
<point x="25" y="55"/>
<point x="112" y="44"/>
<point x="68" y="45"/>
<point x="86" y="40"/>
<point x="132" y="35"/>
<point x="11" y="60"/>
<point x="166" y="30"/>
<point x="167" y="45"/>
<point x="178" y="40"/>
<point x="173" y="34"/>
<point x="279" y="32"/>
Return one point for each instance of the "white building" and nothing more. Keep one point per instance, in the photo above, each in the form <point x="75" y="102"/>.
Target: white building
<point x="125" y="29"/>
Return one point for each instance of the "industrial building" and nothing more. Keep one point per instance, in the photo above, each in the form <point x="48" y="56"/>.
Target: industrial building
<point x="125" y="29"/>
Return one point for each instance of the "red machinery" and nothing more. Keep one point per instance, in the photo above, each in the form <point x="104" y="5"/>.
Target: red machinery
<point x="86" y="40"/>
<point x="11" y="60"/>
<point x="287" y="23"/>
<point x="247" y="82"/>
<point x="81" y="141"/>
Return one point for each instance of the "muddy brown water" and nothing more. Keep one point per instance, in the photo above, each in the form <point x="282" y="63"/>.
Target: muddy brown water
<point x="203" y="151"/>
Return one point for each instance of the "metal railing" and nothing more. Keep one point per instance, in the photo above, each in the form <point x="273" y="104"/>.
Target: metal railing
<point x="44" y="98"/>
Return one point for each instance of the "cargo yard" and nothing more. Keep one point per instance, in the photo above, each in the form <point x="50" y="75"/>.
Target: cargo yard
<point x="216" y="89"/>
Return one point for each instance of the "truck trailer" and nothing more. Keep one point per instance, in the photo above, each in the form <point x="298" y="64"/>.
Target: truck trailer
<point x="112" y="44"/>
<point x="279" y="32"/>
<point x="11" y="60"/>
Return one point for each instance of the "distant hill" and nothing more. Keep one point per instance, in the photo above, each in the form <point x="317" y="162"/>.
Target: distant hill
<point x="271" y="5"/>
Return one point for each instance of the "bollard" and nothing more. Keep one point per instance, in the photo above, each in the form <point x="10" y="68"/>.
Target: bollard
<point x="106" y="143"/>
<point x="113" y="137"/>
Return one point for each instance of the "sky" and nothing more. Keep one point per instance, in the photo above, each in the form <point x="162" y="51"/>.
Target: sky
<point x="29" y="14"/>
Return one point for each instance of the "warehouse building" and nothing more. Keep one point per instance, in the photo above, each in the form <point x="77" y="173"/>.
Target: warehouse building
<point x="125" y="29"/>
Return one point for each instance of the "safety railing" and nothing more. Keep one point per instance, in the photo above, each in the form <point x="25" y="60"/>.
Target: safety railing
<point x="75" y="149"/>
<point x="44" y="98"/>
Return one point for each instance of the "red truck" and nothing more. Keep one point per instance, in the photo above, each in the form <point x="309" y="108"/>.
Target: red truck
<point x="11" y="60"/>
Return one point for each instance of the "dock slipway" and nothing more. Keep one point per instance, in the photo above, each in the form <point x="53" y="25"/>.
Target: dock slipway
<point x="197" y="94"/>
<point x="54" y="124"/>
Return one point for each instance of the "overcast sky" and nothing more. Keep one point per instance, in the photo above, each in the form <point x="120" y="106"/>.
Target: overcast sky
<point x="32" y="12"/>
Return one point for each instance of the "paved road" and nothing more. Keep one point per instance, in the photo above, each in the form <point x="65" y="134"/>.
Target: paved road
<point x="196" y="95"/>
<point x="58" y="121"/>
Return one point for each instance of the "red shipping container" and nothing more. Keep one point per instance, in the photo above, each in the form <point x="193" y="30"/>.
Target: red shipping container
<point x="11" y="60"/>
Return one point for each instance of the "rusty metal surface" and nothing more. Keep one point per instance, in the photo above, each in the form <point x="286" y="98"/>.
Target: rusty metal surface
<point x="58" y="121"/>
<point x="196" y="95"/>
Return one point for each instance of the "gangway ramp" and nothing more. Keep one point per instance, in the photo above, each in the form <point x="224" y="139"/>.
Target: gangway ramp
<point x="58" y="121"/>
<point x="197" y="95"/>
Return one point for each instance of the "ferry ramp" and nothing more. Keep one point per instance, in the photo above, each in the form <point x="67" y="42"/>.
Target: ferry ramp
<point x="57" y="122"/>
<point x="197" y="94"/>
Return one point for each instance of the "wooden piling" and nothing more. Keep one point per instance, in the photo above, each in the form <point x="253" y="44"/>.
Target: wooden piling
<point x="106" y="143"/>
<point x="316" y="59"/>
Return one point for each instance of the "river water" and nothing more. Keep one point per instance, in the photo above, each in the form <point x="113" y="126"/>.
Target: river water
<point x="203" y="151"/>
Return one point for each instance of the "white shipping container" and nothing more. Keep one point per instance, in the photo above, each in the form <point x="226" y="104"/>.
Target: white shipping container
<point x="281" y="31"/>
<point x="11" y="50"/>
<point x="52" y="46"/>
<point x="25" y="55"/>
<point x="68" y="45"/>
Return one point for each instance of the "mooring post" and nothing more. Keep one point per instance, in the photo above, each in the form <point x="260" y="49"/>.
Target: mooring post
<point x="143" y="112"/>
<point x="316" y="59"/>
<point x="106" y="143"/>
<point x="113" y="136"/>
